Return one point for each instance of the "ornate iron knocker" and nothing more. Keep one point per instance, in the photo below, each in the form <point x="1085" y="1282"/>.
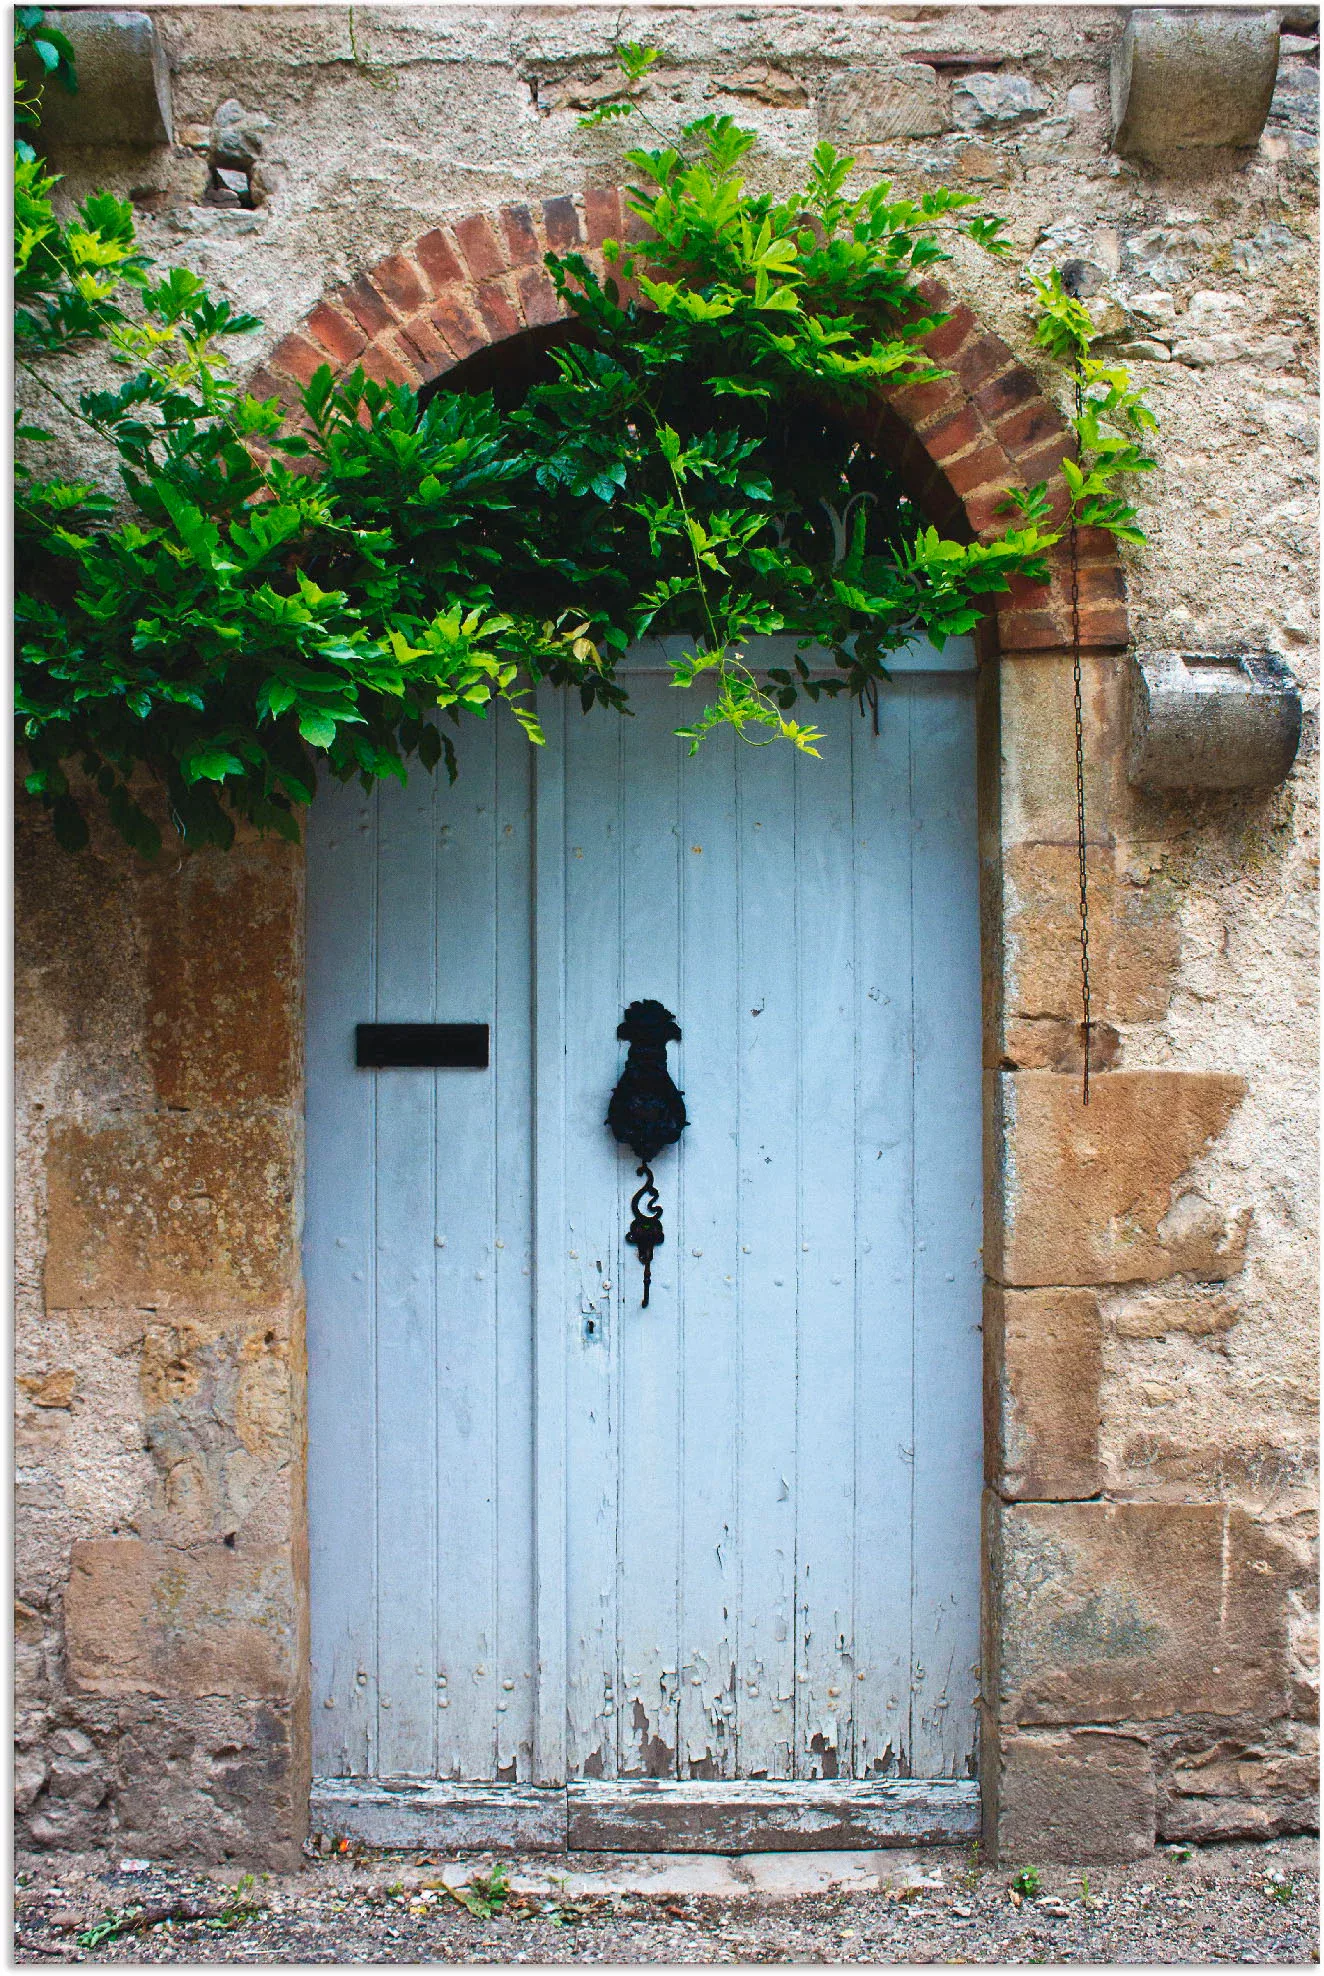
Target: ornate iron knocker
<point x="646" y="1113"/>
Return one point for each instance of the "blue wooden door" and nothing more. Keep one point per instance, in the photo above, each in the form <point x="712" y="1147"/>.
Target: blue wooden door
<point x="732" y="1536"/>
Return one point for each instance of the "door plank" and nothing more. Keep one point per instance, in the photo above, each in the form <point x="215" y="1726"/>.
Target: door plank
<point x="339" y="1262"/>
<point x="549" y="1216"/>
<point x="512" y="1260"/>
<point x="827" y="1394"/>
<point x="648" y="1815"/>
<point x="884" y="1181"/>
<point x="598" y="1301"/>
<point x="948" y="1228"/>
<point x="651" y="1527"/>
<point x="462" y="1234"/>
<point x="708" y="1196"/>
<point x="769" y="1252"/>
<point x="405" y="1181"/>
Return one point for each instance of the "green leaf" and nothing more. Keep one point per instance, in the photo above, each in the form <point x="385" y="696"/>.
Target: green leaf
<point x="210" y="765"/>
<point x="317" y="729"/>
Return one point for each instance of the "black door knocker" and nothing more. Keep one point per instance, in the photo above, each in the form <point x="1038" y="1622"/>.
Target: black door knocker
<point x="646" y="1113"/>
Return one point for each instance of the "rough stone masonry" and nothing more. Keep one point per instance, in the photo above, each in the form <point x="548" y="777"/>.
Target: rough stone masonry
<point x="379" y="187"/>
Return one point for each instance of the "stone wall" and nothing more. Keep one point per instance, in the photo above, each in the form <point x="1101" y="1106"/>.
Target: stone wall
<point x="1150" y="1327"/>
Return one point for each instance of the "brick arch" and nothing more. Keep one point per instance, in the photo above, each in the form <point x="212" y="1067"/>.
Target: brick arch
<point x="477" y="280"/>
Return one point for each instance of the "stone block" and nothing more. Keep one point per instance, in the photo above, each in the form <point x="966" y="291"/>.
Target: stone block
<point x="1198" y="1310"/>
<point x="1038" y="762"/>
<point x="1192" y="79"/>
<point x="875" y="108"/>
<point x="1093" y="1194"/>
<point x="1080" y="1798"/>
<point x="763" y="83"/>
<point x="51" y="1389"/>
<point x="216" y="1780"/>
<point x="1135" y="936"/>
<point x="1212" y="720"/>
<point x="1133" y="1612"/>
<point x="1055" y="1043"/>
<point x="997" y="101"/>
<point x="1044" y="1366"/>
<point x="123" y="94"/>
<point x="1236" y="1782"/>
<point x="170" y="1209"/>
<point x="151" y="1619"/>
<point x="1295" y="104"/>
<point x="77" y="981"/>
<point x="237" y="136"/>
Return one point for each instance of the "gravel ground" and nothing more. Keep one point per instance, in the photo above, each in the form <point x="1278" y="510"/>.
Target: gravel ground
<point x="1247" y="1903"/>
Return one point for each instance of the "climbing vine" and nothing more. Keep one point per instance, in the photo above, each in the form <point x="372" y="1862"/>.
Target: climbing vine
<point x="248" y="599"/>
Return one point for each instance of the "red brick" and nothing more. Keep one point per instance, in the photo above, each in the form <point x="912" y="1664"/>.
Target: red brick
<point x="1096" y="545"/>
<point x="985" y="467"/>
<point x="602" y="214"/>
<point x="942" y="344"/>
<point x="496" y="305"/>
<point x="366" y="306"/>
<point x="1102" y="583"/>
<point x="389" y="367"/>
<point x="400" y="282"/>
<point x="593" y="260"/>
<point x="1031" y="631"/>
<point x="460" y="327"/>
<point x="479" y="244"/>
<point x="342" y="340"/>
<point x="982" y="360"/>
<point x="538" y="298"/>
<point x="1023" y="430"/>
<point x="426" y="348"/>
<point x="1023" y="593"/>
<point x="634" y="228"/>
<point x="438" y="260"/>
<point x="262" y="385"/>
<point x="1059" y="504"/>
<point x="984" y="511"/>
<point x="920" y="404"/>
<point x="1003" y="393"/>
<point x="628" y="292"/>
<point x="1105" y="627"/>
<point x="561" y="220"/>
<point x="521" y="237"/>
<point x="298" y="358"/>
<point x="952" y="435"/>
<point x="933" y="293"/>
<point x="1044" y="463"/>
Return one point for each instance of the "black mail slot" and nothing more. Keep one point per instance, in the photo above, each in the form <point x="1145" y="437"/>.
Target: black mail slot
<point x="421" y="1045"/>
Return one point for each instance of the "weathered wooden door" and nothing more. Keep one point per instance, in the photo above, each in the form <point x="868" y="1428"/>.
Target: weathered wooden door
<point x="728" y="1543"/>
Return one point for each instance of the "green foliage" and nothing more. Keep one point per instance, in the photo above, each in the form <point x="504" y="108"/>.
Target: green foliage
<point x="485" y="1894"/>
<point x="1111" y="416"/>
<point x="50" y="54"/>
<point x="634" y="62"/>
<point x="255" y="600"/>
<point x="138" y="1919"/>
<point x="1026" y="1883"/>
